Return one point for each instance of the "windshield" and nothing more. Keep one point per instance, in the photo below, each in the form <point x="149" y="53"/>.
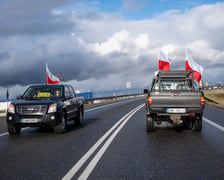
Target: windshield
<point x="172" y="84"/>
<point x="44" y="92"/>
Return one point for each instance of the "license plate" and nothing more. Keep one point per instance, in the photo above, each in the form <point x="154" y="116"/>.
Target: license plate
<point x="32" y="120"/>
<point x="176" y="110"/>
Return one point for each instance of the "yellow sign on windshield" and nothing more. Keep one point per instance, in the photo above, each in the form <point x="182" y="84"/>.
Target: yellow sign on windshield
<point x="43" y="94"/>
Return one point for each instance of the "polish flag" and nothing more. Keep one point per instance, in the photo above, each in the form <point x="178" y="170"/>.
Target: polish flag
<point x="164" y="62"/>
<point x="51" y="79"/>
<point x="192" y="65"/>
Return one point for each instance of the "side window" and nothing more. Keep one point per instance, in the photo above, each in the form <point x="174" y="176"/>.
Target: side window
<point x="67" y="92"/>
<point x="155" y="84"/>
<point x="72" y="91"/>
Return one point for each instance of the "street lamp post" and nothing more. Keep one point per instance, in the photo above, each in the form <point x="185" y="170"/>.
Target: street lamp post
<point x="128" y="85"/>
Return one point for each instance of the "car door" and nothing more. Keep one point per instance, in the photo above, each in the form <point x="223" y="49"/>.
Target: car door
<point x="69" y="103"/>
<point x="75" y="105"/>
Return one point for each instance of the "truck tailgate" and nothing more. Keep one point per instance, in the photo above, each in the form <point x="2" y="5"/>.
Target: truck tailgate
<point x="188" y="99"/>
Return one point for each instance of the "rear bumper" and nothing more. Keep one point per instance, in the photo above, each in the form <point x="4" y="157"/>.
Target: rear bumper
<point x="162" y="114"/>
<point x="34" y="120"/>
<point x="164" y="110"/>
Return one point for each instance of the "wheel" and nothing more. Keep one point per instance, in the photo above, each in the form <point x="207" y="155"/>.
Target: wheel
<point x="149" y="124"/>
<point x="197" y="124"/>
<point x="14" y="130"/>
<point x="61" y="128"/>
<point x="79" y="118"/>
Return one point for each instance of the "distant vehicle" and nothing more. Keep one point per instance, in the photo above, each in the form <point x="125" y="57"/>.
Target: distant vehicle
<point x="45" y="106"/>
<point x="145" y="91"/>
<point x="173" y="98"/>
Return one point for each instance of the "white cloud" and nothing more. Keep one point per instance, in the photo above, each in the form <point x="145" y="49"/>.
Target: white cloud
<point x="116" y="43"/>
<point x="123" y="42"/>
<point x="169" y="48"/>
<point x="142" y="41"/>
<point x="97" y="50"/>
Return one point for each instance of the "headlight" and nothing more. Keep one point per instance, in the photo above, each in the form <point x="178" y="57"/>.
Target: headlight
<point x="52" y="108"/>
<point x="11" y="108"/>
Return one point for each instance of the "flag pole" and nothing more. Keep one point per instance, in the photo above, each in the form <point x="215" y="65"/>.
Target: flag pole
<point x="46" y="73"/>
<point x="61" y="76"/>
<point x="7" y="94"/>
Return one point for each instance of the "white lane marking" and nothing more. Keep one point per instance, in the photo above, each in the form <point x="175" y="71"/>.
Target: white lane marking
<point x="85" y="174"/>
<point x="213" y="124"/>
<point x="84" y="158"/>
<point x="4" y="134"/>
<point x="78" y="165"/>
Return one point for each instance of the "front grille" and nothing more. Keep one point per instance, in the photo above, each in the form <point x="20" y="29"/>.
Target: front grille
<point x="31" y="109"/>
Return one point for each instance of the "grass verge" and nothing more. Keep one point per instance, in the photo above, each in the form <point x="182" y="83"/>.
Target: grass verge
<point x="214" y="98"/>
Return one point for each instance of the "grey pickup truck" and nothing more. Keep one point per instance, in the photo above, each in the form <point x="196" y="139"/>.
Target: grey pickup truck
<point x="174" y="98"/>
<point x="45" y="106"/>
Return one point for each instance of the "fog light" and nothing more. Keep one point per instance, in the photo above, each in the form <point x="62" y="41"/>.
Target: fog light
<point x="52" y="117"/>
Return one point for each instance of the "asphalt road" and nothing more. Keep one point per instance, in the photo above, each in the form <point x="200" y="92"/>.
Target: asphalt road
<point x="114" y="144"/>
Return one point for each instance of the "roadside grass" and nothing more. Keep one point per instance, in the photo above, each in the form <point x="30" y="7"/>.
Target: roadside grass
<point x="214" y="98"/>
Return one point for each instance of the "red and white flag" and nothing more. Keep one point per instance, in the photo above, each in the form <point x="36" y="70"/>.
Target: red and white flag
<point x="51" y="79"/>
<point x="192" y="65"/>
<point x="164" y="62"/>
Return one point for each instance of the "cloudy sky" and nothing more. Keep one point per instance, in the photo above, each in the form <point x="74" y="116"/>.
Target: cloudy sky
<point x="100" y="45"/>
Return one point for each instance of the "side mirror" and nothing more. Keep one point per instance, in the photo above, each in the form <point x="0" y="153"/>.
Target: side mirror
<point x="145" y="91"/>
<point x="69" y="97"/>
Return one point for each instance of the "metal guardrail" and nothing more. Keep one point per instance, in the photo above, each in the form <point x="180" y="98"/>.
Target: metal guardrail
<point x="213" y="88"/>
<point x="112" y="98"/>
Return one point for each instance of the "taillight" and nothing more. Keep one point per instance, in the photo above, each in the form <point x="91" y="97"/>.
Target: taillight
<point x="190" y="115"/>
<point x="149" y="100"/>
<point x="202" y="100"/>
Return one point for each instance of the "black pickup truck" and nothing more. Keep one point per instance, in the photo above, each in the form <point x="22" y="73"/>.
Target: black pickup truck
<point x="45" y="106"/>
<point x="174" y="98"/>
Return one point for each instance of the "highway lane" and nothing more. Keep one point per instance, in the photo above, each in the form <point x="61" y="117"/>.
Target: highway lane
<point x="163" y="154"/>
<point x="41" y="154"/>
<point x="131" y="153"/>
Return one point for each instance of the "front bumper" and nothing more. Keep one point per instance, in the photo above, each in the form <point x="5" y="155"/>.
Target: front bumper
<point x="34" y="120"/>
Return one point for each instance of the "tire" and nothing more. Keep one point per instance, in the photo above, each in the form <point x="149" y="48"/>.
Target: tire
<point x="79" y="118"/>
<point x="149" y="124"/>
<point x="14" y="130"/>
<point x="197" y="124"/>
<point x="61" y="128"/>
